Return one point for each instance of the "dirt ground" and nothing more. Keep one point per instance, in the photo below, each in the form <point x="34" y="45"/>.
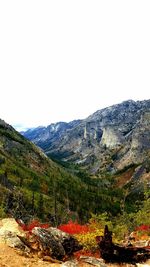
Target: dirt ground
<point x="11" y="258"/>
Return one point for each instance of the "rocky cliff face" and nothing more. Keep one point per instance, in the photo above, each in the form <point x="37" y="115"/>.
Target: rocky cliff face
<point x="110" y="139"/>
<point x="48" y="137"/>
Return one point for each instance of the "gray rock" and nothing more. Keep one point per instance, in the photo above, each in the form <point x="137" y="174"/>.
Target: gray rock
<point x="93" y="261"/>
<point x="121" y="131"/>
<point x="73" y="263"/>
<point x="9" y="231"/>
<point x="12" y="240"/>
<point x="55" y="243"/>
<point x="49" y="244"/>
<point x="58" y="234"/>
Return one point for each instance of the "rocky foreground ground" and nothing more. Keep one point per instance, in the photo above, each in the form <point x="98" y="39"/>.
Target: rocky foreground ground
<point x="11" y="254"/>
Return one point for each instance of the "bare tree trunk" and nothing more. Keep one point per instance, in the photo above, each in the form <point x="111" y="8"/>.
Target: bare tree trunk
<point x="114" y="253"/>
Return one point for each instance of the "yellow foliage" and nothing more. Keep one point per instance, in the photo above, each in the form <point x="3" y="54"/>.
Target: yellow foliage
<point x="88" y="240"/>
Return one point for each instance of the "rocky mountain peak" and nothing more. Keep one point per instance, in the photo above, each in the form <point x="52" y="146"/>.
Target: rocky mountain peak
<point x="127" y="110"/>
<point x="108" y="140"/>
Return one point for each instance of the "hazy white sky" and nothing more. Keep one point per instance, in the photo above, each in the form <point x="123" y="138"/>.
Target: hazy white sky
<point x="63" y="60"/>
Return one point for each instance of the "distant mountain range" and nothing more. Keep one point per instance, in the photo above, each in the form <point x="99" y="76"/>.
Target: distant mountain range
<point x="47" y="137"/>
<point x="110" y="140"/>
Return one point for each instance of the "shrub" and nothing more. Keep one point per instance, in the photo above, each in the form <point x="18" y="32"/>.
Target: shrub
<point x="86" y="234"/>
<point x="73" y="228"/>
<point x="99" y="221"/>
<point x="143" y="230"/>
<point x="88" y="240"/>
<point x="34" y="223"/>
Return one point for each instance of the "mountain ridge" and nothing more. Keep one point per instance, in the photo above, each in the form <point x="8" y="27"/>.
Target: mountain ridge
<point x="100" y="127"/>
<point x="110" y="141"/>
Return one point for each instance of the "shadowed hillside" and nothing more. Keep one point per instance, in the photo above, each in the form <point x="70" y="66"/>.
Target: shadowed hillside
<point x="33" y="185"/>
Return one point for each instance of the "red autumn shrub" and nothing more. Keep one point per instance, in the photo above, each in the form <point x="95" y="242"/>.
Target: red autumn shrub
<point x="35" y="223"/>
<point x="74" y="228"/>
<point x="143" y="227"/>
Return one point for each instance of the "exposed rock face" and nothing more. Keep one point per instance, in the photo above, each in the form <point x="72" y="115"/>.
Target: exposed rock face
<point x="55" y="243"/>
<point x="48" y="243"/>
<point x="10" y="224"/>
<point x="45" y="137"/>
<point x="109" y="140"/>
<point x="9" y="229"/>
<point x="94" y="261"/>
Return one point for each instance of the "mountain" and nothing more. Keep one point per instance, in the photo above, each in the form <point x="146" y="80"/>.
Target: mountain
<point x="120" y="131"/>
<point x="113" y="141"/>
<point x="101" y="165"/>
<point x="48" y="137"/>
<point x="32" y="185"/>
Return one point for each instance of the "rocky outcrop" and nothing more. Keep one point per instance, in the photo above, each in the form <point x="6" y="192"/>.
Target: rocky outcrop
<point x="50" y="242"/>
<point x="54" y="242"/>
<point x="9" y="231"/>
<point x="10" y="224"/>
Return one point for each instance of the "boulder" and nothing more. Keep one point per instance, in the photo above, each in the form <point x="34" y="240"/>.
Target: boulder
<point x="48" y="244"/>
<point x="9" y="229"/>
<point x="69" y="243"/>
<point x="55" y="243"/>
<point x="10" y="224"/>
<point x="60" y="235"/>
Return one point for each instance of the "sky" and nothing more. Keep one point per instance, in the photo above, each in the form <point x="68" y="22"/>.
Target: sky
<point x="62" y="60"/>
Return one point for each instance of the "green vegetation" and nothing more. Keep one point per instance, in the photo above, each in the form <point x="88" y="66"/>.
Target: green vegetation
<point x="122" y="226"/>
<point x="33" y="186"/>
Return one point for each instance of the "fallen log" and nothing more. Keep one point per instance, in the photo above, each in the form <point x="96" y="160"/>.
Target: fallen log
<point x="111" y="252"/>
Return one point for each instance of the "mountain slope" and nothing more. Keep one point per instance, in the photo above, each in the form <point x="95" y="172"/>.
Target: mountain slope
<point x="121" y="129"/>
<point x="32" y="185"/>
<point x="114" y="141"/>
